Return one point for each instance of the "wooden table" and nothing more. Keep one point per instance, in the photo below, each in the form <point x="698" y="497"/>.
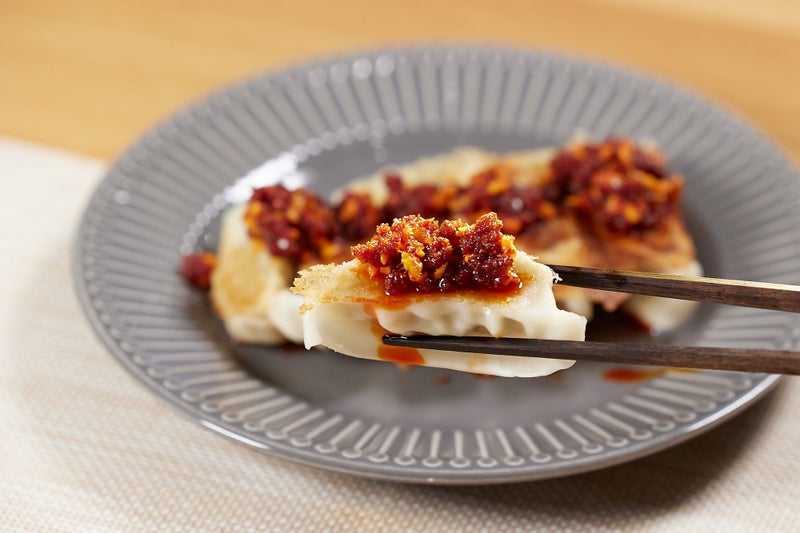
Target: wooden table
<point x="91" y="75"/>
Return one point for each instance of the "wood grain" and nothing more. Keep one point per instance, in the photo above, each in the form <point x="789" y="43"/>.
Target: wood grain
<point x="92" y="76"/>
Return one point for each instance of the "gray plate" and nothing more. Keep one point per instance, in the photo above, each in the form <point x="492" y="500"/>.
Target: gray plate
<point x="323" y="123"/>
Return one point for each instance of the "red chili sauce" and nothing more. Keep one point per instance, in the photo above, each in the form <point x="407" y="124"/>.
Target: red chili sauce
<point x="197" y="268"/>
<point x="421" y="255"/>
<point x="633" y="375"/>
<point x="611" y="188"/>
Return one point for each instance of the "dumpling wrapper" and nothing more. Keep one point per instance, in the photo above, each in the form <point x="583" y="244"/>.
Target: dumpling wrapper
<point x="348" y="313"/>
<point x="658" y="314"/>
<point x="250" y="287"/>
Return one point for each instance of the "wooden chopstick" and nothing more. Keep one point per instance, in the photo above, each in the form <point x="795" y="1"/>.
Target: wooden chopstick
<point x="701" y="357"/>
<point x="723" y="291"/>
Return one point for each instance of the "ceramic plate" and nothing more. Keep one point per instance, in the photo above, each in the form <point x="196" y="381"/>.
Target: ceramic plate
<point x="324" y="123"/>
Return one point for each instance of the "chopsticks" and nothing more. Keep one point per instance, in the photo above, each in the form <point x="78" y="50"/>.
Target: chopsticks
<point x="713" y="290"/>
<point x="628" y="353"/>
<point x="723" y="291"/>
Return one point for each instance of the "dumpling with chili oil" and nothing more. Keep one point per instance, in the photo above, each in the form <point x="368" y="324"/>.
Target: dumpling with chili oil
<point x="420" y="276"/>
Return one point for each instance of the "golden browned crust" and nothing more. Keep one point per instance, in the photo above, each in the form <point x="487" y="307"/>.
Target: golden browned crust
<point x="329" y="283"/>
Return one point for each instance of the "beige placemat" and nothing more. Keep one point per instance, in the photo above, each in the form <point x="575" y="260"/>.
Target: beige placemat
<point x="84" y="447"/>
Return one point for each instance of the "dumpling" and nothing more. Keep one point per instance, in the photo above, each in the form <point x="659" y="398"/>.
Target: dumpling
<point x="250" y="287"/>
<point x="610" y="204"/>
<point x="484" y="287"/>
<point x="660" y="315"/>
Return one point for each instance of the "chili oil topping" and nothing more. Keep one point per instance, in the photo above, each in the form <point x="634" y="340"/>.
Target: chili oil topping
<point x="421" y="255"/>
<point x="611" y="188"/>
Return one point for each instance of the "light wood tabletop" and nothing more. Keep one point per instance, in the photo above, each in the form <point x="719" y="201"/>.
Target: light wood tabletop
<point x="91" y="76"/>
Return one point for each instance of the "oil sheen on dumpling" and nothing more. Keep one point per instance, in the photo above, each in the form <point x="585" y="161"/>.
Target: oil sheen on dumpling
<point x="348" y="314"/>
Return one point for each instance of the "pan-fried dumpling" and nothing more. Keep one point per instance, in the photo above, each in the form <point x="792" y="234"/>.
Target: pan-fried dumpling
<point x="610" y="204"/>
<point x="250" y="287"/>
<point x="421" y="277"/>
